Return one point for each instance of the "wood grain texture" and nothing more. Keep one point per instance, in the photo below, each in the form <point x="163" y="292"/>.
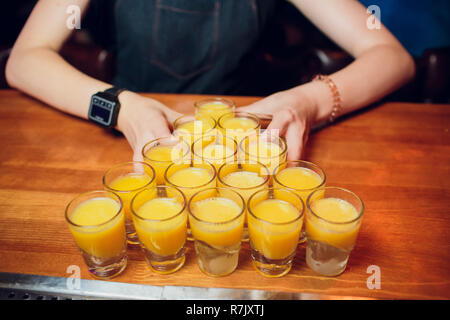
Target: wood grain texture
<point x="395" y="156"/>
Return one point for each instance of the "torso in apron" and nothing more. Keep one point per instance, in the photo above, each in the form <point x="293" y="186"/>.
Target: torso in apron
<point x="185" y="46"/>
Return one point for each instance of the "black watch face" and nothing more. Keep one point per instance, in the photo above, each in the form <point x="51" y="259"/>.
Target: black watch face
<point x="101" y="110"/>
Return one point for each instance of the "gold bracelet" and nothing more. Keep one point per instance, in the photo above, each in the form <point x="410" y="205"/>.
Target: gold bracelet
<point x="337" y="102"/>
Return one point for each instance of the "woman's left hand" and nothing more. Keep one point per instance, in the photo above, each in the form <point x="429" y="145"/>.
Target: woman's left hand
<point x="293" y="115"/>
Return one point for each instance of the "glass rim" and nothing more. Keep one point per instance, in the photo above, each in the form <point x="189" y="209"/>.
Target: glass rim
<point x="215" y="136"/>
<point x="324" y="179"/>
<point x="163" y="138"/>
<point x="198" y="103"/>
<point x="119" y="200"/>
<point x="271" y="189"/>
<point x="189" y="166"/>
<point x="124" y="164"/>
<point x="221" y="222"/>
<point x="156" y="188"/>
<point x="214" y="122"/>
<point x="266" y="178"/>
<point x="246" y="115"/>
<point x="360" y="212"/>
<point x="247" y="138"/>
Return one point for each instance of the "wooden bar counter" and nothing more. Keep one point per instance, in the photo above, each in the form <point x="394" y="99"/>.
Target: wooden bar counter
<point x="395" y="156"/>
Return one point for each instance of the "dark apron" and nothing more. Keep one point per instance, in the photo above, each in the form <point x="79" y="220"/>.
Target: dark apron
<point x="185" y="46"/>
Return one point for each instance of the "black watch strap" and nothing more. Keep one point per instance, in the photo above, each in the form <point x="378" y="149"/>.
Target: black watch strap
<point x="114" y="91"/>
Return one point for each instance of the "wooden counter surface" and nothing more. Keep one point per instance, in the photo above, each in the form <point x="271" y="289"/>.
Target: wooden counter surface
<point x="395" y="156"/>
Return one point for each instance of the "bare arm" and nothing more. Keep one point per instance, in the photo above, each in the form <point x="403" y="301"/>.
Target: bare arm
<point x="381" y="65"/>
<point x="36" y="68"/>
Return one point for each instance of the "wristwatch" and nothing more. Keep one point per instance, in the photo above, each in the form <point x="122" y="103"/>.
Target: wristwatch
<point x="104" y="108"/>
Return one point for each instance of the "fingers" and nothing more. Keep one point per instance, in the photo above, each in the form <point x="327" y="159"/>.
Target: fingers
<point x="158" y="128"/>
<point x="295" y="140"/>
<point x="281" y="121"/>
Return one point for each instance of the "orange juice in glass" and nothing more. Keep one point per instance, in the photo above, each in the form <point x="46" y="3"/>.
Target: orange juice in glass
<point x="127" y="179"/>
<point x="191" y="128"/>
<point x="275" y="218"/>
<point x="97" y="223"/>
<point x="245" y="179"/>
<point x="266" y="148"/>
<point x="303" y="177"/>
<point x="239" y="125"/>
<point x="162" y="152"/>
<point x="160" y="218"/>
<point x="333" y="220"/>
<point x="216" y="216"/>
<point x="216" y="149"/>
<point x="213" y="107"/>
<point x="191" y="178"/>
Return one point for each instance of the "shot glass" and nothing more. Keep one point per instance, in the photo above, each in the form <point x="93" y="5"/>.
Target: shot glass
<point x="190" y="128"/>
<point x="213" y="107"/>
<point x="245" y="179"/>
<point x="239" y="125"/>
<point x="333" y="220"/>
<point x="266" y="148"/>
<point x="161" y="153"/>
<point x="160" y="217"/>
<point x="302" y="177"/>
<point x="216" y="216"/>
<point x="127" y="179"/>
<point x="216" y="149"/>
<point x="191" y="178"/>
<point x="97" y="223"/>
<point x="275" y="218"/>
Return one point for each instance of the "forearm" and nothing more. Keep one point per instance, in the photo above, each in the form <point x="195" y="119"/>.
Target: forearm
<point x="45" y="75"/>
<point x="374" y="74"/>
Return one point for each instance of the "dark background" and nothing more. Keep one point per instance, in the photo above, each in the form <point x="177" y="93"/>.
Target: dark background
<point x="292" y="52"/>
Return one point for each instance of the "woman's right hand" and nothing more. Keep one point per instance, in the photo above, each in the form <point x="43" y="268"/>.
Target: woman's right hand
<point x="143" y="119"/>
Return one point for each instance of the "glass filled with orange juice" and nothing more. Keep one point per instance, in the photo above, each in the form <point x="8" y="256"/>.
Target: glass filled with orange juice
<point x="333" y="220"/>
<point x="127" y="179"/>
<point x="160" y="218"/>
<point x="216" y="149"/>
<point x="303" y="177"/>
<point x="275" y="218"/>
<point x="213" y="107"/>
<point x="267" y="148"/>
<point x="162" y="152"/>
<point x="245" y="179"/>
<point x="191" y="178"/>
<point x="239" y="125"/>
<point x="191" y="128"/>
<point x="216" y="216"/>
<point x="97" y="223"/>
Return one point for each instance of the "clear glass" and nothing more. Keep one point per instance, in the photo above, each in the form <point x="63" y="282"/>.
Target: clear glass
<point x="329" y="243"/>
<point x="103" y="245"/>
<point x="301" y="182"/>
<point x="190" y="186"/>
<point x="161" y="153"/>
<point x="160" y="217"/>
<point x="274" y="239"/>
<point x="239" y="125"/>
<point x="247" y="179"/>
<point x="217" y="241"/>
<point x="213" y="107"/>
<point x="266" y="148"/>
<point x="216" y="149"/>
<point x="127" y="179"/>
<point x="191" y="128"/>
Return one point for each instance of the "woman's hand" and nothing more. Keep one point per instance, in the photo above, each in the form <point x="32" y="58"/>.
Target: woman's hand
<point x="143" y="119"/>
<point x="293" y="114"/>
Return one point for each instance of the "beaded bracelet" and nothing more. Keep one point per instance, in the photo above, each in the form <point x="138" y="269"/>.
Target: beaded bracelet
<point x="337" y="102"/>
